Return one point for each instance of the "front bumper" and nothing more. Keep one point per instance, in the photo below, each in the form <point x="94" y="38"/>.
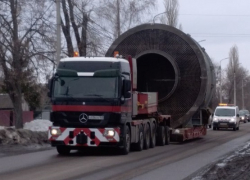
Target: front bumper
<point x="78" y="137"/>
<point x="224" y="124"/>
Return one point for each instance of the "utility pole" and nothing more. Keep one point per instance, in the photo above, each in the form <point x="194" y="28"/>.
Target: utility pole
<point x="243" y="104"/>
<point x="234" y="86"/>
<point x="58" y="33"/>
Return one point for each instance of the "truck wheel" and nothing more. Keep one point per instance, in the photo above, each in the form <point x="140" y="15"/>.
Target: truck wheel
<point x="161" y="138"/>
<point x="139" y="144"/>
<point x="235" y="128"/>
<point x="167" y="139"/>
<point x="63" y="150"/>
<point x="146" y="137"/>
<point x="214" y="128"/>
<point x="126" y="142"/>
<point x="152" y="137"/>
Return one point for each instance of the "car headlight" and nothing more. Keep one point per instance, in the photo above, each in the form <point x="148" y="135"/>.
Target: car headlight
<point x="215" y="120"/>
<point x="232" y="120"/>
<point x="242" y="117"/>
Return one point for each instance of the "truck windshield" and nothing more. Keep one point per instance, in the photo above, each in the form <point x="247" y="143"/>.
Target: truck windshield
<point x="225" y="112"/>
<point x="82" y="87"/>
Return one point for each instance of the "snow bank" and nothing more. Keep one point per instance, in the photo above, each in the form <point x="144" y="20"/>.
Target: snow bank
<point x="38" y="125"/>
<point x="34" y="132"/>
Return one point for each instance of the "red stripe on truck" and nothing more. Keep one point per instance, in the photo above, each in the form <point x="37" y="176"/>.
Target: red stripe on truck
<point x="90" y="108"/>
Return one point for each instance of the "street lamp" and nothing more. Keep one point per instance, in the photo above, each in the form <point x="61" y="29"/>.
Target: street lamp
<point x="221" y="80"/>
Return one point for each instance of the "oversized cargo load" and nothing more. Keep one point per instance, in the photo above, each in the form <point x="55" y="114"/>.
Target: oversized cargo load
<point x="173" y="64"/>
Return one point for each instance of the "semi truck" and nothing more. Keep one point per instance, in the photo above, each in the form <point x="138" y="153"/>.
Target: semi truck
<point x="153" y="86"/>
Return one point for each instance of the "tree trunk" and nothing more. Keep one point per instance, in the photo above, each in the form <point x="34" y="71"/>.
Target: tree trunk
<point x="118" y="28"/>
<point x="16" y="97"/>
<point x="83" y="44"/>
<point x="18" y="112"/>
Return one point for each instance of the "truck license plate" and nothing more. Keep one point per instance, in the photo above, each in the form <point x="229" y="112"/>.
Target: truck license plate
<point x="223" y="124"/>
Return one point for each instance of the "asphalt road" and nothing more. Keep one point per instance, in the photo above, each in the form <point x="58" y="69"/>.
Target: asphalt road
<point x="175" y="161"/>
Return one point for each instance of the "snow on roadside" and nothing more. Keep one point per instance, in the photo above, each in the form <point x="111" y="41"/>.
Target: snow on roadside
<point x="34" y="132"/>
<point x="242" y="151"/>
<point x="38" y="125"/>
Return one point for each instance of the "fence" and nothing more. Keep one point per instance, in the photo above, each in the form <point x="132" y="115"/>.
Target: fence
<point x="8" y="119"/>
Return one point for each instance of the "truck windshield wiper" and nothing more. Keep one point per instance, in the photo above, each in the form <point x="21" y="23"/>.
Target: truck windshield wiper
<point x="98" y="95"/>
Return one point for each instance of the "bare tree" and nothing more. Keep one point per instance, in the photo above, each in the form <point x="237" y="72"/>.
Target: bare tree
<point x="75" y="20"/>
<point x="171" y="14"/>
<point x="180" y="27"/>
<point x="240" y="72"/>
<point x="23" y="28"/>
<point x="121" y="15"/>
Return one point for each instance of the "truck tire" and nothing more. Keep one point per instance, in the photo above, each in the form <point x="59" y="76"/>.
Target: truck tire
<point x="63" y="150"/>
<point x="161" y="138"/>
<point x="139" y="145"/>
<point x="153" y="136"/>
<point x="167" y="134"/>
<point x="126" y="142"/>
<point x="146" y="136"/>
<point x="214" y="128"/>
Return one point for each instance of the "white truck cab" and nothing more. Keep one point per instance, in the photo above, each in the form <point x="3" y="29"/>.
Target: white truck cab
<point x="226" y="116"/>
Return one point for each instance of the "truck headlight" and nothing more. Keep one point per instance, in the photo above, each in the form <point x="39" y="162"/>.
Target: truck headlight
<point x="243" y="118"/>
<point x="109" y="132"/>
<point x="215" y="120"/>
<point x="55" y="132"/>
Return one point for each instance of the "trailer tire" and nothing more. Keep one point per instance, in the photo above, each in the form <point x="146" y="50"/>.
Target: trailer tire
<point x="161" y="138"/>
<point x="126" y="142"/>
<point x="153" y="137"/>
<point x="139" y="145"/>
<point x="63" y="150"/>
<point x="146" y="136"/>
<point x="167" y="138"/>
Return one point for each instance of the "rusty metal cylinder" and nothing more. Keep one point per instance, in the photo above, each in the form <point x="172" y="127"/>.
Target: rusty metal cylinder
<point x="171" y="63"/>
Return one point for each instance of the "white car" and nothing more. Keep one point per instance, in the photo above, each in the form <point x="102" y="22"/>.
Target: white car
<point x="226" y="117"/>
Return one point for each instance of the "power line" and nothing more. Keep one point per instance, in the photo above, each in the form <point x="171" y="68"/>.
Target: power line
<point x="236" y="15"/>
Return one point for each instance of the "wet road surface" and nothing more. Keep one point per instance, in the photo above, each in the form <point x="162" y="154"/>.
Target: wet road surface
<point x="175" y="161"/>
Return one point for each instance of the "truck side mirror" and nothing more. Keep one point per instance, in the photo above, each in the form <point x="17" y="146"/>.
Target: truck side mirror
<point x="126" y="88"/>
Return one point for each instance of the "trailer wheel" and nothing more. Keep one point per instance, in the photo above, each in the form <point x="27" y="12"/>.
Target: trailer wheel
<point x="63" y="150"/>
<point x="152" y="137"/>
<point x="161" y="138"/>
<point x="139" y="144"/>
<point x="167" y="139"/>
<point x="126" y="142"/>
<point x="146" y="137"/>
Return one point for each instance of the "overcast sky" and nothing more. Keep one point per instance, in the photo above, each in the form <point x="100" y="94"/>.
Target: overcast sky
<point x="221" y="23"/>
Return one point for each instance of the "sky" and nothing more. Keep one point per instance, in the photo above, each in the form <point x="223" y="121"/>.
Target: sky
<point x="221" y="23"/>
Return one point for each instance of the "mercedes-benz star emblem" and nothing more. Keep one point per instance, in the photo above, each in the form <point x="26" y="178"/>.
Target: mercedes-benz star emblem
<point x="83" y="118"/>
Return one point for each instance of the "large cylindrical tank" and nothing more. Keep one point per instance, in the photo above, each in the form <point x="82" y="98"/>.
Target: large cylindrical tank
<point x="171" y="63"/>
